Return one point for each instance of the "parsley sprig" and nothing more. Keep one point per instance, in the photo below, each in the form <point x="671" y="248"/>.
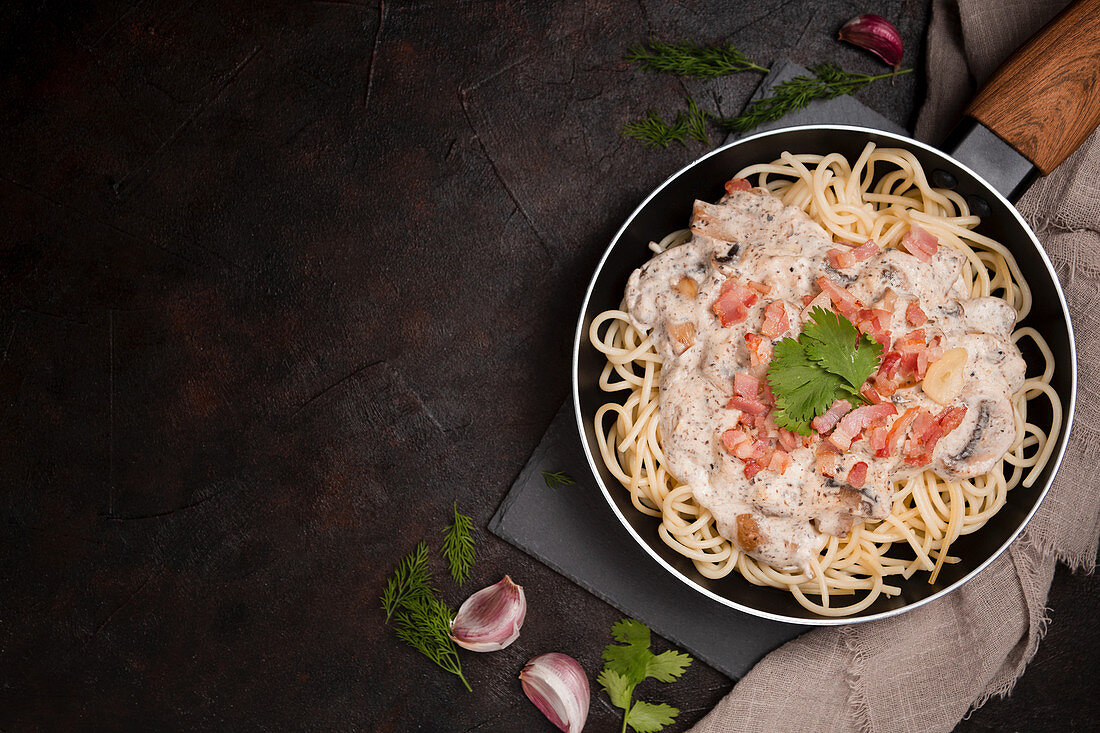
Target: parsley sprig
<point x="629" y="663"/>
<point x="830" y="360"/>
<point x="458" y="546"/>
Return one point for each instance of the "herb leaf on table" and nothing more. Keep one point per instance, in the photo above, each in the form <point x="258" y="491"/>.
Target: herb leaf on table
<point x="458" y="546"/>
<point x="557" y="479"/>
<point x="631" y="662"/>
<point x="688" y="58"/>
<point x="411" y="581"/>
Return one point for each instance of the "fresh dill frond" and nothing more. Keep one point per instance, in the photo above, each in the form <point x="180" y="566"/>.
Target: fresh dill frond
<point x="655" y="132"/>
<point x="827" y="81"/>
<point x="424" y="623"/>
<point x="458" y="546"/>
<point x="556" y="479"/>
<point x="688" y="58"/>
<point x="411" y="581"/>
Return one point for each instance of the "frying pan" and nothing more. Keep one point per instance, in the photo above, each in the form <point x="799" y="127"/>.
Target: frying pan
<point x="1035" y="111"/>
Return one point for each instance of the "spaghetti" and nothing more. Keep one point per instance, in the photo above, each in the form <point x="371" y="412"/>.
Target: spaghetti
<point x="879" y="197"/>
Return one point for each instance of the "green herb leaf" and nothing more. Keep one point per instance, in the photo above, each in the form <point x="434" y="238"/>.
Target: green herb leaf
<point x="830" y="360"/>
<point x="631" y="662"/>
<point x="412" y="580"/>
<point x="647" y="717"/>
<point x="616" y="686"/>
<point x="458" y="546"/>
<point x="556" y="479"/>
<point x="838" y="346"/>
<point x="629" y="631"/>
<point x="827" y="81"/>
<point x="803" y="389"/>
<point x="690" y="59"/>
<point x="424" y="623"/>
<point x="667" y="666"/>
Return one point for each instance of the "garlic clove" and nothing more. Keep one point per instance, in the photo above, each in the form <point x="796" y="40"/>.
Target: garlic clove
<point x="490" y="619"/>
<point x="875" y="34"/>
<point x="558" y="686"/>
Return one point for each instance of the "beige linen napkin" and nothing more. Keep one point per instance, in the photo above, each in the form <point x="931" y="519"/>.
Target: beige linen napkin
<point x="924" y="670"/>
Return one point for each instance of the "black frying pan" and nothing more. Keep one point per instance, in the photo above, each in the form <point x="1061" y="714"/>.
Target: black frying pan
<point x="1043" y="103"/>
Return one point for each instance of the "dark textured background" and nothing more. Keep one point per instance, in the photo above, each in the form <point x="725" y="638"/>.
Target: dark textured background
<point x="278" y="282"/>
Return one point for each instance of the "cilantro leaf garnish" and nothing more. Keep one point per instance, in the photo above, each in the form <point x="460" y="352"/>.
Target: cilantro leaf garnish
<point x="631" y="662"/>
<point x="829" y="360"/>
<point x="836" y="344"/>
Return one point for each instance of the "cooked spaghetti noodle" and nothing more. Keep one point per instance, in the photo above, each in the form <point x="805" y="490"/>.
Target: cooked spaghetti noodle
<point x="878" y="197"/>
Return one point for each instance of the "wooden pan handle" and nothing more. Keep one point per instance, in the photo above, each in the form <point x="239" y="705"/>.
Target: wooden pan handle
<point x="1045" y="100"/>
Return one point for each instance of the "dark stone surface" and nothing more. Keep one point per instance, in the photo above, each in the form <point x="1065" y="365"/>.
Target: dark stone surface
<point x="278" y="283"/>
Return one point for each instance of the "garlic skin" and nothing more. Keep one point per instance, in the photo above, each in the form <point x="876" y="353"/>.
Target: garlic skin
<point x="558" y="686"/>
<point x="490" y="619"/>
<point x="875" y="34"/>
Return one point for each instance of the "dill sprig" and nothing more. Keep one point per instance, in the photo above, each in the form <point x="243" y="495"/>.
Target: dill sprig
<point x="424" y="623"/>
<point x="828" y="81"/>
<point x="458" y="546"/>
<point x="411" y="581"/>
<point x="421" y="620"/>
<point x="557" y="478"/>
<point x="688" y="58"/>
<point x="655" y="132"/>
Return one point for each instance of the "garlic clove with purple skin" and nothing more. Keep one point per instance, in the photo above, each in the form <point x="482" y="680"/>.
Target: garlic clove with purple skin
<point x="875" y="34"/>
<point x="558" y="686"/>
<point x="490" y="619"/>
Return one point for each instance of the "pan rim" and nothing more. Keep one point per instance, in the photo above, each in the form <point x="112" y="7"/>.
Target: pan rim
<point x="1056" y="459"/>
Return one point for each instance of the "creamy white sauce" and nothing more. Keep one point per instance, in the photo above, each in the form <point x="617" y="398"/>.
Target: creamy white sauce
<point x="752" y="236"/>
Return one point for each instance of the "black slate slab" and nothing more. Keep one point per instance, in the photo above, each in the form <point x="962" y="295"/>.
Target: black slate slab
<point x="573" y="530"/>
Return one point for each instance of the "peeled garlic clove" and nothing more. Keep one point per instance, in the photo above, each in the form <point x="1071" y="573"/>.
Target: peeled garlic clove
<point x="558" y="686"/>
<point x="875" y="34"/>
<point x="491" y="618"/>
<point x="944" y="379"/>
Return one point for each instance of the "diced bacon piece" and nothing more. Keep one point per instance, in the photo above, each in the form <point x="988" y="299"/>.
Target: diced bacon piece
<point x="737" y="184"/>
<point x="851" y="424"/>
<point x="889" y="300"/>
<point x="682" y="335"/>
<point x="876" y="437"/>
<point x="766" y="457"/>
<point x="844" y="302"/>
<point x="915" y="315"/>
<point x="779" y="461"/>
<point x="730" y="310"/>
<point x="825" y="422"/>
<point x="897" y="432"/>
<point x="922" y="364"/>
<point x="922" y="422"/>
<point x="889" y="365"/>
<point x="787" y="440"/>
<point x="951" y="418"/>
<point x="687" y="287"/>
<point x="759" y="450"/>
<point x="857" y="475"/>
<point x="751" y="407"/>
<point x="768" y="425"/>
<point x="807" y="299"/>
<point x="840" y="258"/>
<point x="766" y="395"/>
<point x="760" y="350"/>
<point x="759" y="287"/>
<point x="746" y="385"/>
<point x="775" y="320"/>
<point x="828" y="462"/>
<point x="871" y="394"/>
<point x="752" y="468"/>
<point x="920" y="243"/>
<point x="866" y="250"/>
<point x="733" y="302"/>
<point x="733" y="438"/>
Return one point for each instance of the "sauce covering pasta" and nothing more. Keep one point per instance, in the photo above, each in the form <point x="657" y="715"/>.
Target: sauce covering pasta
<point x="750" y="275"/>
